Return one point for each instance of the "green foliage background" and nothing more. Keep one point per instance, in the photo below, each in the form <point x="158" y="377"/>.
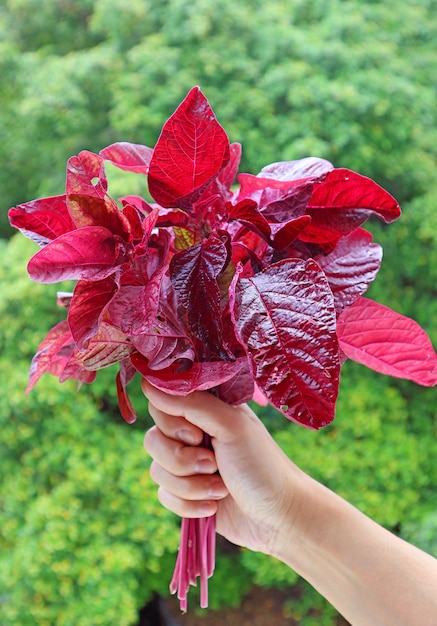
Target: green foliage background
<point x="83" y="539"/>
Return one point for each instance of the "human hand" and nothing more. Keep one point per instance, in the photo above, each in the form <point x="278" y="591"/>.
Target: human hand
<point x="255" y="493"/>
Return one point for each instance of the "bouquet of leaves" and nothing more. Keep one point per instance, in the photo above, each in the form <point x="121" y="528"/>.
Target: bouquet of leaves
<point x="244" y="285"/>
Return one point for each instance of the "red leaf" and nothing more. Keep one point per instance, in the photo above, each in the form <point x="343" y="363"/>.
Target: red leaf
<point x="229" y="173"/>
<point x="86" y="253"/>
<point x="246" y="211"/>
<point x="87" y="200"/>
<point x="345" y="189"/>
<point x="124" y="376"/>
<point x="199" y="377"/>
<point x="238" y="389"/>
<point x="387" y="342"/>
<point x="86" y="175"/>
<point x="131" y="157"/>
<point x="351" y="267"/>
<point x="53" y="353"/>
<point x="284" y="234"/>
<point x="108" y="346"/>
<point x="90" y="299"/>
<point x="286" y="319"/>
<point x="134" y="309"/>
<point x="42" y="220"/>
<point x="189" y="154"/>
<point x="193" y="274"/>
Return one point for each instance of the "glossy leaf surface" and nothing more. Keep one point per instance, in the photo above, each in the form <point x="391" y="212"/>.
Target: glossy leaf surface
<point x="89" y="253"/>
<point x="190" y="152"/>
<point x="374" y="335"/>
<point x="285" y="317"/>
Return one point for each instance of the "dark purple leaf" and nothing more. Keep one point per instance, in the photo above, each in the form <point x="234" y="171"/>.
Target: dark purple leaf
<point x="277" y="207"/>
<point x="86" y="253"/>
<point x="90" y="300"/>
<point x="387" y="342"/>
<point x="285" y="317"/>
<point x="193" y="274"/>
<point x="42" y="220"/>
<point x="132" y="157"/>
<point x="351" y="267"/>
<point x="189" y="154"/>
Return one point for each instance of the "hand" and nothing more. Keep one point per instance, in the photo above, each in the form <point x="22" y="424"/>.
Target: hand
<point x="254" y="493"/>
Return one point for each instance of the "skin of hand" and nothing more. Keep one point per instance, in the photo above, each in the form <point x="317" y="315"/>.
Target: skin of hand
<point x="266" y="503"/>
<point x="252" y="488"/>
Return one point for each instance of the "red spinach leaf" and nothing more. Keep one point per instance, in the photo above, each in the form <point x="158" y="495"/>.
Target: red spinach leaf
<point x="190" y="152"/>
<point x="285" y="317"/>
<point x="89" y="253"/>
<point x="387" y="342"/>
<point x="42" y="220"/>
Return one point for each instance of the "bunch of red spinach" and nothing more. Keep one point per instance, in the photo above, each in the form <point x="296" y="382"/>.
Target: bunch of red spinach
<point x="235" y="290"/>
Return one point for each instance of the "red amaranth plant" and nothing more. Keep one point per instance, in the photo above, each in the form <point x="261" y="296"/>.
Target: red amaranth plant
<point x="257" y="288"/>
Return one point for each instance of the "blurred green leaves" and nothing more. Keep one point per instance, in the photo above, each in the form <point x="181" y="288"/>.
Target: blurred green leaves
<point x="83" y="539"/>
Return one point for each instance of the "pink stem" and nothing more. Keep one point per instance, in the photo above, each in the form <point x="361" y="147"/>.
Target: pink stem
<point x="196" y="555"/>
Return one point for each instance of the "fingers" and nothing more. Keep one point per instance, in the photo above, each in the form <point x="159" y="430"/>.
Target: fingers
<point x="188" y="484"/>
<point x="187" y="508"/>
<point x="177" y="458"/>
<point x="202" y="410"/>
<point x="176" y="426"/>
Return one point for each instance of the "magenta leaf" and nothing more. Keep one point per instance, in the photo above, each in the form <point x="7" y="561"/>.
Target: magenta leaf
<point x="387" y="342"/>
<point x="344" y="189"/>
<point x="135" y="307"/>
<point x="199" y="377"/>
<point x="285" y="317"/>
<point x="90" y="299"/>
<point x="42" y="220"/>
<point x="131" y="157"/>
<point x="189" y="154"/>
<point x="238" y="389"/>
<point x="86" y="253"/>
<point x="193" y="274"/>
<point x="351" y="267"/>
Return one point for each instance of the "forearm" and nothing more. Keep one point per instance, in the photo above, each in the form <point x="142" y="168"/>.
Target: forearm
<point x="371" y="576"/>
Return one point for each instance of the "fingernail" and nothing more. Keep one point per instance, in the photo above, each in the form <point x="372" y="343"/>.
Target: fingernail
<point x="205" y="466"/>
<point x="186" y="436"/>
